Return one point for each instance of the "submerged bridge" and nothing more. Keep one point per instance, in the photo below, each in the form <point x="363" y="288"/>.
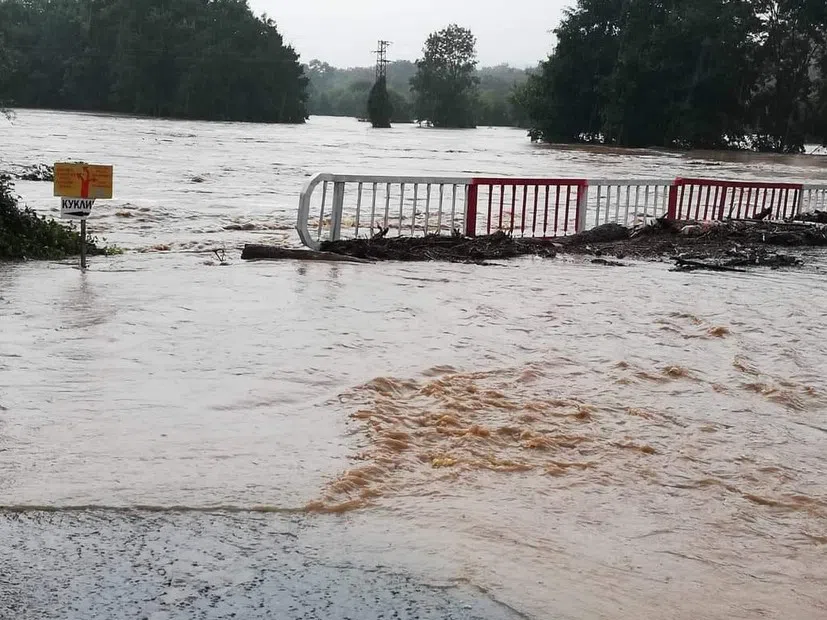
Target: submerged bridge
<point x="342" y="206"/>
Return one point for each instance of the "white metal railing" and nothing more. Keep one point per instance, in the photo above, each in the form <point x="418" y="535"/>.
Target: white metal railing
<point x="345" y="206"/>
<point x="625" y="202"/>
<point x="353" y="206"/>
<point x="813" y="198"/>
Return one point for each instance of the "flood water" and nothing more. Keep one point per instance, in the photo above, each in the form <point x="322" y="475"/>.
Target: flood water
<point x="564" y="439"/>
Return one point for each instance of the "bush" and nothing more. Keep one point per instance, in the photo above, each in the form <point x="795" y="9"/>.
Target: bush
<point x="26" y="235"/>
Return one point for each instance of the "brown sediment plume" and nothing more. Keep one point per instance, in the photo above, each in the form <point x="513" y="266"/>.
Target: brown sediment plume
<point x="677" y="372"/>
<point x="742" y="364"/>
<point x="718" y="331"/>
<point x="421" y="437"/>
<point x="784" y="397"/>
<point x="467" y="422"/>
<point x="642" y="448"/>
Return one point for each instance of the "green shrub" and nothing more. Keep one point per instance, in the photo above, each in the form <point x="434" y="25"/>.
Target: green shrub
<point x="26" y="235"/>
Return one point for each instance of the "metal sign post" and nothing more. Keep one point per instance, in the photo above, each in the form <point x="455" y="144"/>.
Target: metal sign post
<point x="78" y="185"/>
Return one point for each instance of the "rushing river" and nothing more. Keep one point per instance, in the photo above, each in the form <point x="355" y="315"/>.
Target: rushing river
<point x="541" y="439"/>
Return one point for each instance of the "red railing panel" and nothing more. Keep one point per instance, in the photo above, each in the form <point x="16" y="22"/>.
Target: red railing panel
<point x="520" y="213"/>
<point x="701" y="199"/>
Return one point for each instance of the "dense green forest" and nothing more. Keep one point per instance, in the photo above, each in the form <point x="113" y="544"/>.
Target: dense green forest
<point x="676" y="73"/>
<point x="201" y="59"/>
<point x="685" y="73"/>
<point x="344" y="92"/>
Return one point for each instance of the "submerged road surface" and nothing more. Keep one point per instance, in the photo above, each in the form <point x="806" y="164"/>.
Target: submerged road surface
<point x="90" y="565"/>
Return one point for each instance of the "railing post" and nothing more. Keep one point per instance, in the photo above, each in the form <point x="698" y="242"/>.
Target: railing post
<point x="672" y="209"/>
<point x="471" y="210"/>
<point x="798" y="200"/>
<point x="582" y="207"/>
<point x="302" y="223"/>
<point x="336" y="215"/>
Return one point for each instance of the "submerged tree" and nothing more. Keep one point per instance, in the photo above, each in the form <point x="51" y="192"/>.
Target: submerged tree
<point x="445" y="84"/>
<point x="205" y="59"/>
<point x="380" y="108"/>
<point x="791" y="41"/>
<point x="684" y="73"/>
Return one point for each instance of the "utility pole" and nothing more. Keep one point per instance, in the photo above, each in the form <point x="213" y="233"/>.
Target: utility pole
<point x="382" y="59"/>
<point x="380" y="108"/>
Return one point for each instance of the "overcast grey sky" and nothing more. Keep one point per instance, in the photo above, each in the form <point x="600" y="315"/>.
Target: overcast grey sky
<point x="343" y="32"/>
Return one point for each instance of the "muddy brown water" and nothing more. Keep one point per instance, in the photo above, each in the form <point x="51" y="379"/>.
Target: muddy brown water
<point x="574" y="441"/>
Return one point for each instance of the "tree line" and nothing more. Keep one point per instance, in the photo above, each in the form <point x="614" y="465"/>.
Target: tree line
<point x="344" y="92"/>
<point x="199" y="59"/>
<point x="749" y="74"/>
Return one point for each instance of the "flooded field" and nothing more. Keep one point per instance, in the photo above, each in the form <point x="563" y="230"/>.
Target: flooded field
<point x="541" y="439"/>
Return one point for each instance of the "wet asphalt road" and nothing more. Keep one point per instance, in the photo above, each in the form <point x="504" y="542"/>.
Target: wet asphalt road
<point x="89" y="565"/>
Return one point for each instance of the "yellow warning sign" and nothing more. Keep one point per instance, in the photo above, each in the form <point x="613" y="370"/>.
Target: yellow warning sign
<point x="83" y="181"/>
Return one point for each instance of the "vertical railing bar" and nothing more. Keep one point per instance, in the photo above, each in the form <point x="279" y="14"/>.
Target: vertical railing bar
<point x="655" y="202"/>
<point x="373" y="207"/>
<point x="545" y="219"/>
<point x="568" y="201"/>
<point x="387" y="205"/>
<point x="698" y="203"/>
<point x="401" y="207"/>
<point x="522" y="219"/>
<point x="637" y="199"/>
<point x="427" y="207"/>
<point x="490" y="200"/>
<point x="534" y="217"/>
<point x="358" y="207"/>
<point x="557" y="211"/>
<point x="454" y="207"/>
<point x="439" y="217"/>
<point x="731" y="200"/>
<point x="502" y="203"/>
<point x="689" y="202"/>
<point x="597" y="206"/>
<point x="321" y="215"/>
<point x="628" y="197"/>
<point x="413" y="213"/>
<point x="513" y="208"/>
<point x="706" y="202"/>
<point x="608" y="203"/>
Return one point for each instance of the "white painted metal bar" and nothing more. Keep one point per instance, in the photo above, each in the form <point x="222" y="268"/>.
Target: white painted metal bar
<point x="373" y="208"/>
<point x="358" y="206"/>
<point x="413" y="214"/>
<point x="428" y="206"/>
<point x="387" y="204"/>
<point x="401" y="206"/>
<point x="439" y="217"/>
<point x="321" y="215"/>
<point x="453" y="206"/>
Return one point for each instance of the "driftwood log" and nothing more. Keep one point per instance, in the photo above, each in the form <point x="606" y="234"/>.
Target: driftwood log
<point x="271" y="252"/>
